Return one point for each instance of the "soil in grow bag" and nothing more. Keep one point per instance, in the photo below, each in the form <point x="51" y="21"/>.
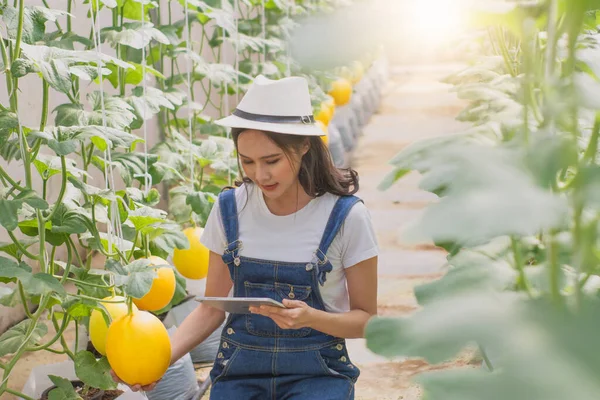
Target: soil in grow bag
<point x="93" y="394"/>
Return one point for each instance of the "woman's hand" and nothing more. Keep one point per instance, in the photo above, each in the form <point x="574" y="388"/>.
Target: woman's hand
<point x="134" y="388"/>
<point x="297" y="315"/>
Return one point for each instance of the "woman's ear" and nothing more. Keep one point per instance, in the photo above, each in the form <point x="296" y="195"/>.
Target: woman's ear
<point x="305" y="147"/>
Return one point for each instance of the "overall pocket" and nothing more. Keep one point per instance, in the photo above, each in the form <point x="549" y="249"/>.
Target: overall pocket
<point x="336" y="362"/>
<point x="223" y="360"/>
<point x="260" y="325"/>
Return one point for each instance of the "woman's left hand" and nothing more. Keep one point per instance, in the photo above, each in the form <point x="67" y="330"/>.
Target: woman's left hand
<point x="297" y="315"/>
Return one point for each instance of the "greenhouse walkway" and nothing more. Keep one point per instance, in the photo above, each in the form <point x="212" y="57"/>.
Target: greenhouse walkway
<point x="415" y="106"/>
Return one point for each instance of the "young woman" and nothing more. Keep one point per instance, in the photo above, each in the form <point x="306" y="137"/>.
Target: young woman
<point x="292" y="231"/>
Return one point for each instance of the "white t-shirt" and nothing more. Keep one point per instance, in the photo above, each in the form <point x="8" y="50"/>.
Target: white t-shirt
<point x="295" y="237"/>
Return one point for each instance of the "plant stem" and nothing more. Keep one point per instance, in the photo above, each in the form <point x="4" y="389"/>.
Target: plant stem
<point x="19" y="394"/>
<point x="21" y="248"/>
<point x="504" y="51"/>
<point x="84" y="282"/>
<point x="76" y="346"/>
<point x="24" y="299"/>
<point x="554" y="269"/>
<point x="42" y="234"/>
<point x="83" y="296"/>
<point x="592" y="149"/>
<point x="135" y="239"/>
<point x="486" y="359"/>
<point x="17" y="49"/>
<point x="10" y="180"/>
<point x="63" y="188"/>
<point x="516" y="249"/>
<point x="69" y="6"/>
<point x="5" y="61"/>
<point x="129" y="302"/>
<point x="59" y="333"/>
<point x="17" y="355"/>
<point x="147" y="246"/>
<point x="63" y="342"/>
<point x="74" y="249"/>
<point x="45" y="87"/>
<point x="55" y="22"/>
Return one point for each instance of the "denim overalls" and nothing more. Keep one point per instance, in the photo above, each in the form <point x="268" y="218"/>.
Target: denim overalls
<point x="258" y="360"/>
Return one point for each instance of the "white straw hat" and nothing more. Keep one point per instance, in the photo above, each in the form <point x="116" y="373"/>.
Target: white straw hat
<point x="281" y="106"/>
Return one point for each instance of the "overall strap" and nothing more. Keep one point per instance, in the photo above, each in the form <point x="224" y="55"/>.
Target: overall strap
<point x="336" y="219"/>
<point x="229" y="216"/>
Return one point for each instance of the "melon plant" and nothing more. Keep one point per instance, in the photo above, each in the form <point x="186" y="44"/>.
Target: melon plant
<point x="517" y="212"/>
<point x="81" y="254"/>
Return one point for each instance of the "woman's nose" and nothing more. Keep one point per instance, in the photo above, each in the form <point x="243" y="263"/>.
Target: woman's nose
<point x="262" y="174"/>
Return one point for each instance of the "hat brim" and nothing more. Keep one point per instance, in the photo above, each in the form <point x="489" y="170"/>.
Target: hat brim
<point x="234" y="121"/>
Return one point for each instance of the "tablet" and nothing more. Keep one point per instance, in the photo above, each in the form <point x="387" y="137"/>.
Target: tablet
<point x="238" y="305"/>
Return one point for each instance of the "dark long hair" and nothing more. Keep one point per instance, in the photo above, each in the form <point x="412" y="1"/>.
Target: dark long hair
<point x="318" y="174"/>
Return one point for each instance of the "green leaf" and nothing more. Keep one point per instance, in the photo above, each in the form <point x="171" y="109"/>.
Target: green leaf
<point x="31" y="198"/>
<point x="134" y="34"/>
<point x="201" y="203"/>
<point x="131" y="166"/>
<point x="30" y="227"/>
<point x="9" y="297"/>
<point x="95" y="277"/>
<point x="547" y="349"/>
<point x="141" y="199"/>
<point x="135" y="278"/>
<point x="116" y="112"/>
<point x="15" y="337"/>
<point x="392" y="177"/>
<point x="64" y="389"/>
<point x="95" y="373"/>
<point x="69" y="221"/>
<point x="63" y="148"/>
<point x="167" y="238"/>
<point x="42" y="283"/>
<point x="471" y="270"/>
<point x="21" y="67"/>
<point x="105" y="196"/>
<point x="78" y="308"/>
<point x="8" y="122"/>
<point x="48" y="166"/>
<point x="132" y="9"/>
<point x="145" y="217"/>
<point x="146" y="106"/>
<point x="55" y="63"/>
<point x="68" y="39"/>
<point x="10" y="270"/>
<point x="56" y="73"/>
<point x="488" y="192"/>
<point x="102" y="137"/>
<point x="34" y="19"/>
<point x="9" y="209"/>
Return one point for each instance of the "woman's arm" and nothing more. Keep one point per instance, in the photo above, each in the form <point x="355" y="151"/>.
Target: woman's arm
<point x="203" y="321"/>
<point x="362" y="289"/>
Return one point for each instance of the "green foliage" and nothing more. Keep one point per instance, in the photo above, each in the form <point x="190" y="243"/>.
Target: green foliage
<point x="97" y="127"/>
<point x="518" y="210"/>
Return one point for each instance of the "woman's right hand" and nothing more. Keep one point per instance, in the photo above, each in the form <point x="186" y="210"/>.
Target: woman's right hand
<point x="134" y="388"/>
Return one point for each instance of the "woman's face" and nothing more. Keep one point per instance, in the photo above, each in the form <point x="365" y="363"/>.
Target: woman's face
<point x="267" y="165"/>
